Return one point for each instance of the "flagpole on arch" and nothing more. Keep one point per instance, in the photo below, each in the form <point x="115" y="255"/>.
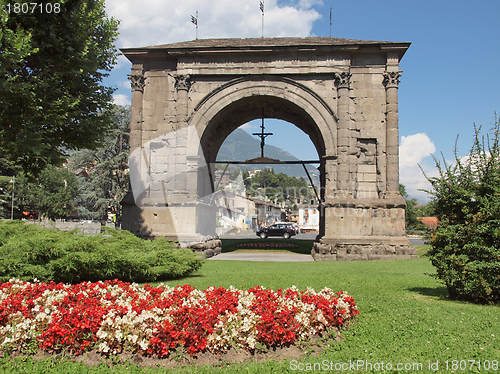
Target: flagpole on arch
<point x="262" y="10"/>
<point x="195" y="21"/>
<point x="330" y="22"/>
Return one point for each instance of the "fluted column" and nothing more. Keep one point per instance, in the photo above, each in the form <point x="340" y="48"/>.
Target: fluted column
<point x="185" y="172"/>
<point x="342" y="80"/>
<point x="182" y="84"/>
<point x="391" y="82"/>
<point x="137" y="84"/>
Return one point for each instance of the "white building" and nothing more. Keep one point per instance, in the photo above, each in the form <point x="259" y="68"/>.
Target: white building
<point x="234" y="212"/>
<point x="308" y="218"/>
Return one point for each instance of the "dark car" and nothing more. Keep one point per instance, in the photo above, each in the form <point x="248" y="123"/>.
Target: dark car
<point x="284" y="230"/>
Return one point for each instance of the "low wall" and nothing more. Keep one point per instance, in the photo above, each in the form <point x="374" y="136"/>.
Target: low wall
<point x="90" y="228"/>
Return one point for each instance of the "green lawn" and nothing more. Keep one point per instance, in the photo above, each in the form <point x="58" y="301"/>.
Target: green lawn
<point x="405" y="318"/>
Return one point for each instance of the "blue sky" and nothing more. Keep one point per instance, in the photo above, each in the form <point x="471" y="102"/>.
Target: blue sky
<point x="450" y="76"/>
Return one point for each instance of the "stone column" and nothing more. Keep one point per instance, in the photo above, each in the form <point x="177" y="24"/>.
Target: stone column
<point x="391" y="82"/>
<point x="342" y="80"/>
<point x="137" y="84"/>
<point x="182" y="84"/>
<point x="181" y="183"/>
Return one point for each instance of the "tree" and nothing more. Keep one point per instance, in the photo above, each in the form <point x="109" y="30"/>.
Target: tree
<point x="102" y="191"/>
<point x="426" y="210"/>
<point x="53" y="59"/>
<point x="52" y="194"/>
<point x="465" y="248"/>
<point x="411" y="221"/>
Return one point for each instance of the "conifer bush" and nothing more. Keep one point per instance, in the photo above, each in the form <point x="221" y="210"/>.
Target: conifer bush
<point x="465" y="248"/>
<point x="28" y="252"/>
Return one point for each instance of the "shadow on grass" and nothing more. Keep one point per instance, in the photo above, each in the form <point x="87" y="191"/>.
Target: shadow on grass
<point x="438" y="292"/>
<point x="300" y="246"/>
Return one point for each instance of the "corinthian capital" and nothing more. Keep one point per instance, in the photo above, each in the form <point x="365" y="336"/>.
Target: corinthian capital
<point x="137" y="82"/>
<point x="391" y="78"/>
<point x="343" y="80"/>
<point x="183" y="82"/>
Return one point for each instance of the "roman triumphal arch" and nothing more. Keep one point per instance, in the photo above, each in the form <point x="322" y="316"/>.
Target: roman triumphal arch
<point x="188" y="97"/>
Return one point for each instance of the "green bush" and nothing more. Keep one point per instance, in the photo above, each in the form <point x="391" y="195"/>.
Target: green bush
<point x="465" y="248"/>
<point x="28" y="252"/>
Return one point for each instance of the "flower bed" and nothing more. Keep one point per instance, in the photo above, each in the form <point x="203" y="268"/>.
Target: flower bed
<point x="267" y="245"/>
<point x="113" y="316"/>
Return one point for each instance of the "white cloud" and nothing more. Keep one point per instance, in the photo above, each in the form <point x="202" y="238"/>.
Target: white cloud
<point x="120" y="99"/>
<point x="124" y="84"/>
<point x="153" y="22"/>
<point x="414" y="150"/>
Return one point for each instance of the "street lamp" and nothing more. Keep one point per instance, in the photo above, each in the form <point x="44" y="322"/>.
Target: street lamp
<point x="12" y="206"/>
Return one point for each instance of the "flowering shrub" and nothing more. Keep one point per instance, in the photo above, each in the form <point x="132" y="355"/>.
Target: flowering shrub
<point x="113" y="316"/>
<point x="267" y="245"/>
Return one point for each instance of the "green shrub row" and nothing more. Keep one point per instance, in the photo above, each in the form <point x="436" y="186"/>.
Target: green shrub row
<point x="28" y="252"/>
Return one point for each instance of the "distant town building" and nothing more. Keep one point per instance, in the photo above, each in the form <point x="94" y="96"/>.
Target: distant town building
<point x="430" y="222"/>
<point x="268" y="212"/>
<point x="235" y="211"/>
<point x="308" y="218"/>
<point x="223" y="177"/>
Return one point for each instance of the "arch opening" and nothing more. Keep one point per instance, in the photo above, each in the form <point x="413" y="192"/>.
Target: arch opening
<point x="254" y="108"/>
<point x="251" y="108"/>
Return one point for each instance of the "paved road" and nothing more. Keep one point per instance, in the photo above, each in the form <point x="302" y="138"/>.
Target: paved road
<point x="275" y="257"/>
<point x="261" y="256"/>
<point x="304" y="236"/>
<point x="251" y="235"/>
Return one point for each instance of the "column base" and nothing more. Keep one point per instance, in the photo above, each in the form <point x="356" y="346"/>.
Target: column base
<point x="359" y="249"/>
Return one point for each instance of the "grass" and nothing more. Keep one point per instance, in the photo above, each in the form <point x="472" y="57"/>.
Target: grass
<point x="405" y="317"/>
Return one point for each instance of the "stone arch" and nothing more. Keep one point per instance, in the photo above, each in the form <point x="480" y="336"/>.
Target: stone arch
<point x="242" y="99"/>
<point x="342" y="93"/>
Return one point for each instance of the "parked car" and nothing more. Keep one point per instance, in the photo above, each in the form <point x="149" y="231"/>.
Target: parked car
<point x="278" y="229"/>
<point x="293" y="224"/>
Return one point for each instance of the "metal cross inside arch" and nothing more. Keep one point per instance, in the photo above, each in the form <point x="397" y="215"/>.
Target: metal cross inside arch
<point x="262" y="135"/>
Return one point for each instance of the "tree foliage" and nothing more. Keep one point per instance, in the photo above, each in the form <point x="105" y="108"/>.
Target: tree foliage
<point x="426" y="210"/>
<point x="465" y="248"/>
<point x="106" y="181"/>
<point x="51" y="71"/>
<point x="52" y="194"/>
<point x="279" y="186"/>
<point x="411" y="221"/>
<point x="27" y="252"/>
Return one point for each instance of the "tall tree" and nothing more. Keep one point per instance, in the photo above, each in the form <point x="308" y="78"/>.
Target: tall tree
<point x="53" y="59"/>
<point x="106" y="167"/>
